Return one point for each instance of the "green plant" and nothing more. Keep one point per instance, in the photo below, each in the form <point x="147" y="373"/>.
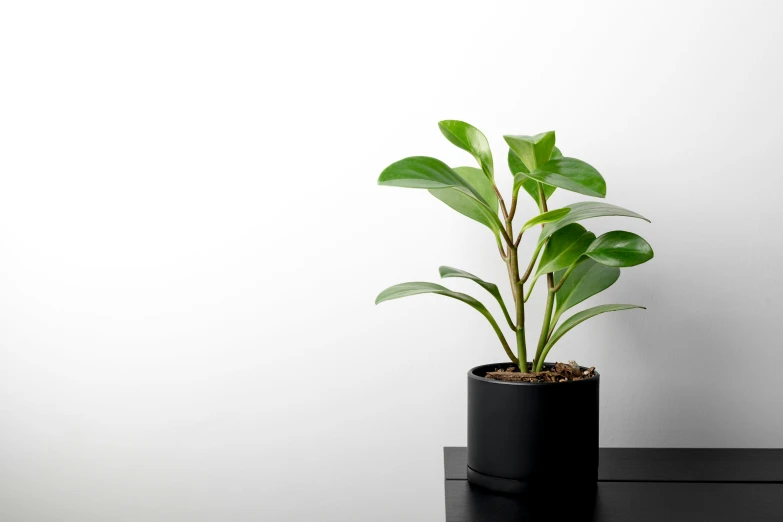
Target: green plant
<point x="575" y="263"/>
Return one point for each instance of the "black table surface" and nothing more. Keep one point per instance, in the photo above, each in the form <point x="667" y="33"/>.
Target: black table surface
<point x="636" y="484"/>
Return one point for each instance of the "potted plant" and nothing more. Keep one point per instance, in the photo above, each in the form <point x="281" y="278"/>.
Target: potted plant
<point x="530" y="423"/>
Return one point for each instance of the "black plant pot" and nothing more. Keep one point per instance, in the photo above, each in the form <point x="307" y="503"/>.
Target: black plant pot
<point x="532" y="437"/>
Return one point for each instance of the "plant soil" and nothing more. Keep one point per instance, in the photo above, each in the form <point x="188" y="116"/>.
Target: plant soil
<point x="560" y="372"/>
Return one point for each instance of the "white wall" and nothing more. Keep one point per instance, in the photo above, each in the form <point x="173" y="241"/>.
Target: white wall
<point x="191" y="239"/>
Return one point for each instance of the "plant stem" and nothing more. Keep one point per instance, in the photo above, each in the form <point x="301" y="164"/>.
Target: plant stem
<point x="554" y="290"/>
<point x="501" y="250"/>
<point x="507" y="237"/>
<point x="503" y="204"/>
<point x="513" y="209"/>
<point x="521" y="349"/>
<point x="541" y="199"/>
<point x="550" y="298"/>
<point x="512" y="262"/>
<point x="565" y="275"/>
<point x="550" y="301"/>
<point x="530" y="290"/>
<point x="516" y="289"/>
<point x="533" y="262"/>
<point x="503" y="341"/>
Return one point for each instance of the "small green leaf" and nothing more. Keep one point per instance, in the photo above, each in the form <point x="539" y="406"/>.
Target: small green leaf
<point x="519" y="171"/>
<point x="447" y="271"/>
<point x="571" y="174"/>
<point x="564" y="247"/>
<point x="580" y="317"/>
<point x="546" y="217"/>
<point x="408" y="289"/>
<point x="532" y="150"/>
<point x="586" y="280"/>
<point x="469" y="138"/>
<point x="515" y="164"/>
<point x="620" y="248"/>
<point x="586" y="210"/>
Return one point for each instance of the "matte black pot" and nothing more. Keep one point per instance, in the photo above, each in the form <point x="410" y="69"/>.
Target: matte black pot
<point x="532" y="437"/>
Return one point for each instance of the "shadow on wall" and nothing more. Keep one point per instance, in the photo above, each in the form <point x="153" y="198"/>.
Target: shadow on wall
<point x="689" y="381"/>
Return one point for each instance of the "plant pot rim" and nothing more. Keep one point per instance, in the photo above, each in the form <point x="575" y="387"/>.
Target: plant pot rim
<point x="472" y="375"/>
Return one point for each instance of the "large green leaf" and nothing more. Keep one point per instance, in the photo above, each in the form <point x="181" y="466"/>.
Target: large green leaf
<point x="445" y="184"/>
<point x="408" y="289"/>
<point x="570" y="174"/>
<point x="620" y="248"/>
<point x="519" y="171"/>
<point x="586" y="280"/>
<point x="469" y="206"/>
<point x="476" y="178"/>
<point x="545" y="217"/>
<point x="586" y="210"/>
<point x="427" y="173"/>
<point x="564" y="247"/>
<point x="447" y="271"/>
<point x="532" y="150"/>
<point x="580" y="317"/>
<point x="469" y="138"/>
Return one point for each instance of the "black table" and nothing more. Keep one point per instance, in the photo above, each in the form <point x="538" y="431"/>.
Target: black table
<point x="639" y="485"/>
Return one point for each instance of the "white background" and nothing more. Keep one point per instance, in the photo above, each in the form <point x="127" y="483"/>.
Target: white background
<point x="191" y="240"/>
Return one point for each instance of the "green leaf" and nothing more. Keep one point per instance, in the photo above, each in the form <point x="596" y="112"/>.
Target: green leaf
<point x="620" y="248"/>
<point x="521" y="180"/>
<point x="470" y="207"/>
<point x="564" y="247"/>
<point x="515" y="164"/>
<point x="447" y="271"/>
<point x="408" y="289"/>
<point x="586" y="280"/>
<point x="532" y="150"/>
<point x="425" y="172"/>
<point x="586" y="210"/>
<point x="519" y="171"/>
<point x="580" y="317"/>
<point x="445" y="184"/>
<point x="555" y="153"/>
<point x="571" y="174"/>
<point x="469" y="138"/>
<point x="546" y="217"/>
<point x="476" y="178"/>
<point x="467" y="205"/>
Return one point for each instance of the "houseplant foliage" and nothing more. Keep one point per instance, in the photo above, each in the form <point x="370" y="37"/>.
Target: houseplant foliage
<point x="575" y="264"/>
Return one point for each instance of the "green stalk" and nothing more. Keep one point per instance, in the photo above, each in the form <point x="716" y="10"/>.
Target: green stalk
<point x="516" y="290"/>
<point x="530" y="290"/>
<point x="512" y="262"/>
<point x="521" y="355"/>
<point x="550" y="301"/>
<point x="502" y="338"/>
<point x="554" y="290"/>
<point x="532" y="264"/>
<point x="550" y="298"/>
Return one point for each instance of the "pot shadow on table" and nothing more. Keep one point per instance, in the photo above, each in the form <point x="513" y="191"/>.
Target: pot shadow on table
<point x="472" y="504"/>
<point x="621" y="502"/>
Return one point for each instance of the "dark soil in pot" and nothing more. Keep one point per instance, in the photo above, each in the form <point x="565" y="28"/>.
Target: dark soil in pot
<point x="558" y="372"/>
